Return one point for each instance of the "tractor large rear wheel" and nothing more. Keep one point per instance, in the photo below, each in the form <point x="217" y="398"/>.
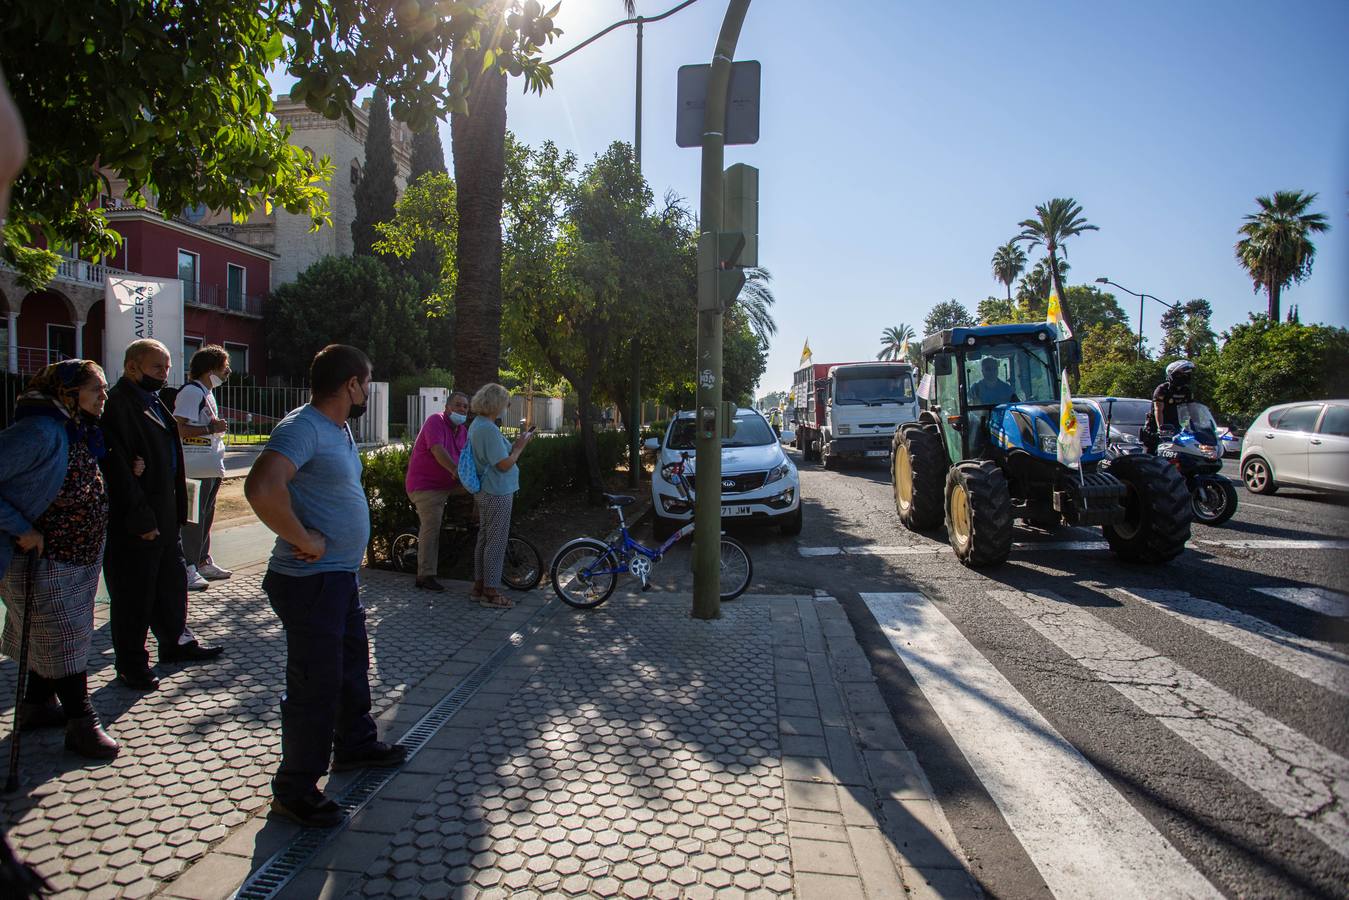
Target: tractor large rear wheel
<point x="918" y="475"/>
<point x="979" y="513"/>
<point x="1157" y="510"/>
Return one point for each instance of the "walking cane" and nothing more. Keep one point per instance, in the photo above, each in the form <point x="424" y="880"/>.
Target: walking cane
<point x="12" y="783"/>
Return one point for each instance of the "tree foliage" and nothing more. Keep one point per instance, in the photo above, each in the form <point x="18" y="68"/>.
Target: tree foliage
<point x="174" y="98"/>
<point x="1055" y="222"/>
<point x="1187" y="330"/>
<point x="1262" y="363"/>
<point x="380" y="313"/>
<point x="1276" y="248"/>
<point x="425" y="218"/>
<point x="376" y="193"/>
<point x="893" y="341"/>
<point x="947" y="314"/>
<point x="1009" y="261"/>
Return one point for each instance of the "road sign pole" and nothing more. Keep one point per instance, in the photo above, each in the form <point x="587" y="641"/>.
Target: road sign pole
<point x="707" y="506"/>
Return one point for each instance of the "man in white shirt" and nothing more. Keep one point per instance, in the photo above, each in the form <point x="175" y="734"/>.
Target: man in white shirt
<point x="200" y="427"/>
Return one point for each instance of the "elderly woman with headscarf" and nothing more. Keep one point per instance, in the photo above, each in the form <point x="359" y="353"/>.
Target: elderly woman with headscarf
<point x="53" y="520"/>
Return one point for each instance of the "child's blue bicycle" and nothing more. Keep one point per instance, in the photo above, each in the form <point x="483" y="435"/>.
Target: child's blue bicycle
<point x="585" y="571"/>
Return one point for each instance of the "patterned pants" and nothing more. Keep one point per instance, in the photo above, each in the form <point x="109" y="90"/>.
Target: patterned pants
<point x="489" y="555"/>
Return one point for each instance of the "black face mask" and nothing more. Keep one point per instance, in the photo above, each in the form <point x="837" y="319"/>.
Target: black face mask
<point x="358" y="409"/>
<point x="150" y="383"/>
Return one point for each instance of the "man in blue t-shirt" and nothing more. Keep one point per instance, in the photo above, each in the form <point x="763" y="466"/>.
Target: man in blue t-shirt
<point x="306" y="487"/>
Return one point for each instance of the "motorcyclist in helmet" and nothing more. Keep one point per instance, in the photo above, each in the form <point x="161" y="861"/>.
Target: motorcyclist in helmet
<point x="1167" y="398"/>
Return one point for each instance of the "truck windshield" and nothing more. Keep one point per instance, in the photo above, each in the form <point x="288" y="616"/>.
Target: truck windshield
<point x="873" y="390"/>
<point x="750" y="431"/>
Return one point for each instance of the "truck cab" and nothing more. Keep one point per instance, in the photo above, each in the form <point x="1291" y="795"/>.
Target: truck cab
<point x="865" y="403"/>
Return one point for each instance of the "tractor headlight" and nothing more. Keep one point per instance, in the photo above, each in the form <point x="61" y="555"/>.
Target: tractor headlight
<point x="778" y="473"/>
<point x="1046" y="437"/>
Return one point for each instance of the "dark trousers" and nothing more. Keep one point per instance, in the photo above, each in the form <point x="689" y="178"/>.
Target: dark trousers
<point x="197" y="537"/>
<point x="147" y="591"/>
<point x="326" y="706"/>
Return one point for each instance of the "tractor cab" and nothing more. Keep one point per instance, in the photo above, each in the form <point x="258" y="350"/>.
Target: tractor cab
<point x="985" y="452"/>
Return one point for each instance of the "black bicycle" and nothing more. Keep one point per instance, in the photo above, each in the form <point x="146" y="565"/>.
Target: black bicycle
<point x="523" y="569"/>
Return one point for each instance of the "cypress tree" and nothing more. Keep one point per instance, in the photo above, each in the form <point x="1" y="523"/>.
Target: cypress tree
<point x="427" y="153"/>
<point x="376" y="193"/>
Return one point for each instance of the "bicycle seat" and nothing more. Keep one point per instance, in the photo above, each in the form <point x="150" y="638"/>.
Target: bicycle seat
<point x="620" y="499"/>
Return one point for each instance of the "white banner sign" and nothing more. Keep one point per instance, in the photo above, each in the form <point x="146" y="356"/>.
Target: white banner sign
<point x="139" y="308"/>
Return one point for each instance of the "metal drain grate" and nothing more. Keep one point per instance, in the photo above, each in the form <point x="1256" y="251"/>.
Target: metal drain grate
<point x="268" y="880"/>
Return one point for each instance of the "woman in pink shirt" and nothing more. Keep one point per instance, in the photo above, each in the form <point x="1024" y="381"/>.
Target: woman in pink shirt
<point x="433" y="478"/>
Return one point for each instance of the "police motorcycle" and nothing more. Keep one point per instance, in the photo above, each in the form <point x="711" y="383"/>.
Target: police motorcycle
<point x="1197" y="453"/>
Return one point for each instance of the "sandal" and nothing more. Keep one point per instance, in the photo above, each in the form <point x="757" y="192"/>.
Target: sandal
<point x="477" y="591"/>
<point x="494" y="600"/>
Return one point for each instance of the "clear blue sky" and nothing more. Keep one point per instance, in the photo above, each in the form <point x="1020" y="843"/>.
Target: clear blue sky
<point x="902" y="142"/>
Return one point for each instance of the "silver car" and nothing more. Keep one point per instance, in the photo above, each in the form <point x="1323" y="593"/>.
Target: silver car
<point x="1298" y="445"/>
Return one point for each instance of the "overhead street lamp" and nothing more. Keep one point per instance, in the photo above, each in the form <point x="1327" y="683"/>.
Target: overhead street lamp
<point x="1104" y="280"/>
<point x="634" y="416"/>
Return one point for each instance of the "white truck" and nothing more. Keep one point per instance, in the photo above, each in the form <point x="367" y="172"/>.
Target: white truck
<point x="851" y="410"/>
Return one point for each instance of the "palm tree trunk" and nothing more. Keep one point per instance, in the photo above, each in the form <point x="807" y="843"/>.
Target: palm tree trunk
<point x="478" y="142"/>
<point x="1274" y="290"/>
<point x="1009" y="291"/>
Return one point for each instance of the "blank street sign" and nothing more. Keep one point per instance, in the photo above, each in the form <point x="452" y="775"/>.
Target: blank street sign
<point x="742" y="110"/>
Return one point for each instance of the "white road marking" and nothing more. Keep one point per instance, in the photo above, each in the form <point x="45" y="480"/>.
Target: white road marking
<point x="820" y="551"/>
<point x="1245" y="503"/>
<point x="1293" y="773"/>
<point x="1319" y="600"/>
<point x="1315" y="661"/>
<point x="1060" y="545"/>
<point x="1276" y="544"/>
<point x="1084" y="838"/>
<point x="879" y="550"/>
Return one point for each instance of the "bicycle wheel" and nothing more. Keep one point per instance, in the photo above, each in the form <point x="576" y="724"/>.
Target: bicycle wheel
<point x="403" y="553"/>
<point x="571" y="573"/>
<point x="523" y="567"/>
<point x="736" y="568"/>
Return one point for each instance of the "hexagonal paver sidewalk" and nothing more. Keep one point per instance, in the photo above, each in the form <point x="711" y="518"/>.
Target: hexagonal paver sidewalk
<point x="198" y="754"/>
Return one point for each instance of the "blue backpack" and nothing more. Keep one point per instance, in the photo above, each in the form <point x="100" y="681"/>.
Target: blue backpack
<point x="468" y="471"/>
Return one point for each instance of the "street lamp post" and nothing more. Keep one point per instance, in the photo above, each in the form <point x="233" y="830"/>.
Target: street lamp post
<point x="635" y="409"/>
<point x="1139" y="353"/>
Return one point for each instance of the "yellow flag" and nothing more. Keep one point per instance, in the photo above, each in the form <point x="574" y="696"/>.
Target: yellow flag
<point x="1069" y="450"/>
<point x="1055" y="317"/>
<point x="904" y="349"/>
<point x="805" y="353"/>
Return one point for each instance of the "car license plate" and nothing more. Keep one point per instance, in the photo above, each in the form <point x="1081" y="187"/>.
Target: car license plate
<point x="878" y="453"/>
<point x="729" y="511"/>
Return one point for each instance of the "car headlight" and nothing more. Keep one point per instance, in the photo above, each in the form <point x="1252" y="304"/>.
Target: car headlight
<point x="845" y="429"/>
<point x="778" y="473"/>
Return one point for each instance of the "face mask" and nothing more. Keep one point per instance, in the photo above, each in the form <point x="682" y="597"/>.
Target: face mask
<point x="458" y="418"/>
<point x="150" y="383"/>
<point x="214" y="380"/>
<point x="358" y="409"/>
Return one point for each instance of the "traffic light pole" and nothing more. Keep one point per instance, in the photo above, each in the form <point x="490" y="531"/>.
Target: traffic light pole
<point x="707" y="505"/>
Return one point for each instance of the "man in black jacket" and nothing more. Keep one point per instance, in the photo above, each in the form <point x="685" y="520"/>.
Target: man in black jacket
<point x="143" y="560"/>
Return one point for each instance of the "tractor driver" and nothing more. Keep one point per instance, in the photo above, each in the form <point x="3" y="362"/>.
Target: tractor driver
<point x="991" y="390"/>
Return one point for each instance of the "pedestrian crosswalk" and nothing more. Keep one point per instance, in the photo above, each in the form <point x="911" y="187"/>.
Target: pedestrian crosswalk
<point x="1084" y="837"/>
<point x="933" y="547"/>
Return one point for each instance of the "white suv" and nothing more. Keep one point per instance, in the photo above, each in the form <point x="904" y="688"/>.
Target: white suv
<point x="758" y="482"/>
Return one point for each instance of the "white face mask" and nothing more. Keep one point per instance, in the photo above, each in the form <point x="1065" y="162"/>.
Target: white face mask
<point x="214" y="380"/>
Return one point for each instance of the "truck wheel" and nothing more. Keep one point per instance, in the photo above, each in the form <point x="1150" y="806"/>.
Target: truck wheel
<point x="1157" y="510"/>
<point x="979" y="513"/>
<point x="917" y="475"/>
<point x="828" y="460"/>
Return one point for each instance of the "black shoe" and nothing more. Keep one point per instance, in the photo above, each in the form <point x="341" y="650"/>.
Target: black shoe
<point x="85" y="736"/>
<point x="430" y="584"/>
<point x="33" y="716"/>
<point x="141" y="681"/>
<point x="189" y="653"/>
<point x="312" y="810"/>
<point x="378" y="755"/>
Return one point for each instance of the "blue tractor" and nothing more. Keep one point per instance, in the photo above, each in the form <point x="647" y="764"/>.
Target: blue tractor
<point x="984" y="453"/>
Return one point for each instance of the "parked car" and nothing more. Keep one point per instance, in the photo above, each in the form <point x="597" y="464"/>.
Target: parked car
<point x="1127" y="416"/>
<point x="1298" y="445"/>
<point x="758" y="482"/>
<point x="1230" y="440"/>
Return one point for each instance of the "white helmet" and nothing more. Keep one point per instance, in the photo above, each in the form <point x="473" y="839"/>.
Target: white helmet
<point x="1179" y="370"/>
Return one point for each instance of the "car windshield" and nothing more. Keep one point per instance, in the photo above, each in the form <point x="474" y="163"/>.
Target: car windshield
<point x="1126" y="415"/>
<point x="868" y="390"/>
<point x="1010" y="373"/>
<point x="750" y="431"/>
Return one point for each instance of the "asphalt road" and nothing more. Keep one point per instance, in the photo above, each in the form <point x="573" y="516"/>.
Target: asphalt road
<point x="1099" y="728"/>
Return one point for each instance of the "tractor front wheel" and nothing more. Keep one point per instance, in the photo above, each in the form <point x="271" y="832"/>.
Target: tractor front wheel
<point x="1157" y="510"/>
<point x="917" y="474"/>
<point x="979" y="514"/>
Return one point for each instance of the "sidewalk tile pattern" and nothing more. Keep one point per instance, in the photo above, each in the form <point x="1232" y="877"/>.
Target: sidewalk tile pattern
<point x="640" y="758"/>
<point x="198" y="754"/>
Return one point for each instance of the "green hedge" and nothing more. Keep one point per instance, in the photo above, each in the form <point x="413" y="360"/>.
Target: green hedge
<point x="549" y="463"/>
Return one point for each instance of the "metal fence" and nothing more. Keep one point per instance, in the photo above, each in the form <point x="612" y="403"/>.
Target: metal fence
<point x="253" y="410"/>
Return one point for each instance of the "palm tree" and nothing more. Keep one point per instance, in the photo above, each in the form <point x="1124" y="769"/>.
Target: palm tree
<point x="893" y="340"/>
<point x="754" y="300"/>
<point x="1009" y="261"/>
<point x="1055" y="222"/>
<point x="1277" y="249"/>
